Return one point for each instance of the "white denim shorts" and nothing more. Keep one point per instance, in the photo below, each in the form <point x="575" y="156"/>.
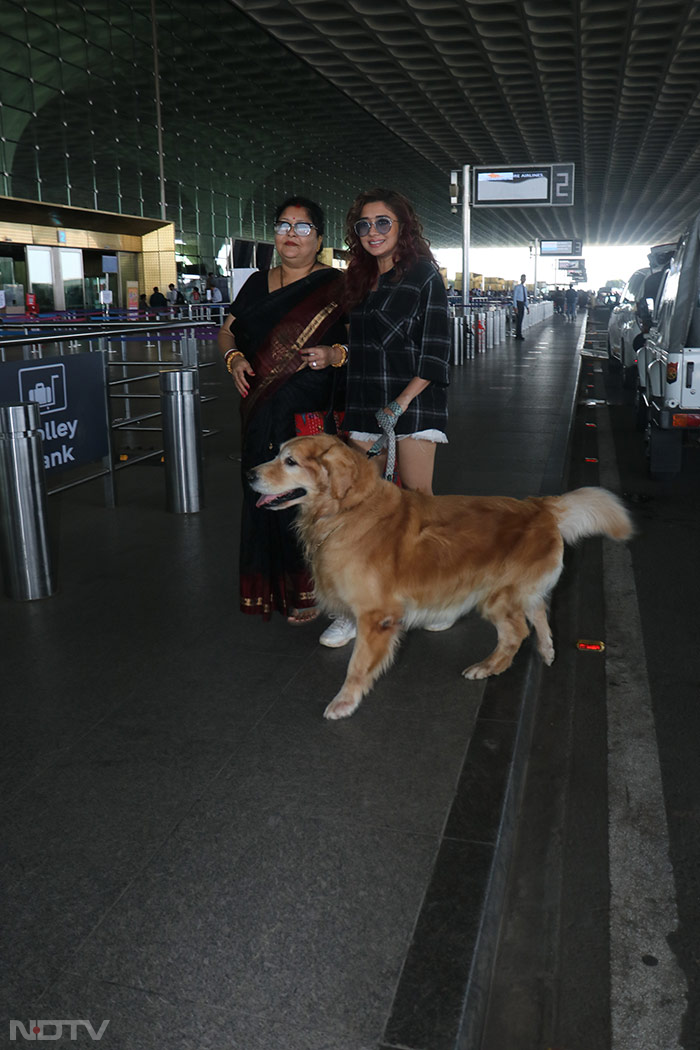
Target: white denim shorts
<point x="436" y="436"/>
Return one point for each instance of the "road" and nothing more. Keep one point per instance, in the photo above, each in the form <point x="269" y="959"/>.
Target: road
<point x="601" y="930"/>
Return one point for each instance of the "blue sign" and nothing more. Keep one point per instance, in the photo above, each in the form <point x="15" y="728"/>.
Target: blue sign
<point x="70" y="393"/>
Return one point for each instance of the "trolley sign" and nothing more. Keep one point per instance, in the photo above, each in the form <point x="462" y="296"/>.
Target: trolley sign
<point x="531" y="186"/>
<point x="70" y="393"/>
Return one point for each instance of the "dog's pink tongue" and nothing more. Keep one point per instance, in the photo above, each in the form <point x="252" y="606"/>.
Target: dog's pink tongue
<point x="265" y="499"/>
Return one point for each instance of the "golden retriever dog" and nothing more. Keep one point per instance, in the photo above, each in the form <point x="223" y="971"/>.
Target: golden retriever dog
<point x="393" y="559"/>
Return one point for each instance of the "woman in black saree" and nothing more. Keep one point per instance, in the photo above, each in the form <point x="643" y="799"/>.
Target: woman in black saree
<point x="282" y="343"/>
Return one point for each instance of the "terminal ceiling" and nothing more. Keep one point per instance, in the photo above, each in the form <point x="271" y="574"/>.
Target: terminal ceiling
<point x="260" y="98"/>
<point x="610" y="85"/>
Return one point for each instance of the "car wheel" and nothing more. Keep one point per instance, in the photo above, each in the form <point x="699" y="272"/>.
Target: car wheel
<point x="629" y="377"/>
<point x="665" y="452"/>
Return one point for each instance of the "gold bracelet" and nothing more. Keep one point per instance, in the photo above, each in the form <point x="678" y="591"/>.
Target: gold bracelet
<point x="230" y="356"/>
<point x="344" y="351"/>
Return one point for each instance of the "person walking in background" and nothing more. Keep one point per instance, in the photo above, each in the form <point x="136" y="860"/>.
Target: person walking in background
<point x="398" y="365"/>
<point x="270" y="345"/>
<point x="520" y="303"/>
<point x="571" y="297"/>
<point x="158" y="302"/>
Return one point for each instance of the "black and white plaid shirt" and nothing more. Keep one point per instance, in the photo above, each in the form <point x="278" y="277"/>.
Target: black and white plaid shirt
<point x="400" y="331"/>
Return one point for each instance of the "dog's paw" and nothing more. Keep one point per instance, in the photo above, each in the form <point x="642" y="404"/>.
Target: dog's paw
<point x="491" y="666"/>
<point x="476" y="671"/>
<point x="341" y="707"/>
<point x="547" y="655"/>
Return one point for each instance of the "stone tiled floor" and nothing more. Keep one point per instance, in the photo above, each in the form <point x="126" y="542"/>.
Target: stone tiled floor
<point x="191" y="851"/>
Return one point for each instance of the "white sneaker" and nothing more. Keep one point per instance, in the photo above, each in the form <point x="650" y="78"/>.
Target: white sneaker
<point x="440" y="625"/>
<point x="339" y="633"/>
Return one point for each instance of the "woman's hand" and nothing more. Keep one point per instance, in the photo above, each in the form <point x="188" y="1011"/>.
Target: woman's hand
<point x="404" y="399"/>
<point x="241" y="368"/>
<point x="320" y="356"/>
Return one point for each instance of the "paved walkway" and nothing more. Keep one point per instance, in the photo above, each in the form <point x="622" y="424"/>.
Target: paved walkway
<point x="194" y="853"/>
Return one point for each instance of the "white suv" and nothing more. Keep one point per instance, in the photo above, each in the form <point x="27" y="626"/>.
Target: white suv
<point x="629" y="319"/>
<point x="672" y="357"/>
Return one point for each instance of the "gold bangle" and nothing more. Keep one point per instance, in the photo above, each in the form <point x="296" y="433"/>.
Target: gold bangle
<point x="230" y="356"/>
<point x="344" y="351"/>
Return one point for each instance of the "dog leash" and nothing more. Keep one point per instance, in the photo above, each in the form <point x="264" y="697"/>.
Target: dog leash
<point x="387" y="421"/>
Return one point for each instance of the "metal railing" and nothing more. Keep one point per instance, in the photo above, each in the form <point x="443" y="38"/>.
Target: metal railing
<point x="24" y="549"/>
<point x="47" y="338"/>
<point x="482" y="326"/>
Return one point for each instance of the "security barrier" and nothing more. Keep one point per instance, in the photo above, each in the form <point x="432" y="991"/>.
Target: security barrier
<point x="61" y="423"/>
<point x="484" y="326"/>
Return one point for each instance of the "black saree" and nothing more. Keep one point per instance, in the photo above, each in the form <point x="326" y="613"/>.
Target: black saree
<point x="271" y="328"/>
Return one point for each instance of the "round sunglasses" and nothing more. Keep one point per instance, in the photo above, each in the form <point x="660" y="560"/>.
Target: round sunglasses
<point x="302" y="229"/>
<point x="382" y="224"/>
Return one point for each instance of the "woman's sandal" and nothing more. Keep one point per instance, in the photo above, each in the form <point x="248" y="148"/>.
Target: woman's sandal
<point x="297" y="617"/>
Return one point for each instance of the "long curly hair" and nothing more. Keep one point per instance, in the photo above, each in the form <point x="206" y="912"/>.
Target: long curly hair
<point x="411" y="245"/>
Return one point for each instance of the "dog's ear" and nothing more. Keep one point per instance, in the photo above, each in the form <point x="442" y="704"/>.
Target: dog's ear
<point x="340" y="464"/>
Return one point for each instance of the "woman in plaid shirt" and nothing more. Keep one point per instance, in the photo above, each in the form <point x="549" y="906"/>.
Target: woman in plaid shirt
<point x="398" y="363"/>
<point x="399" y="334"/>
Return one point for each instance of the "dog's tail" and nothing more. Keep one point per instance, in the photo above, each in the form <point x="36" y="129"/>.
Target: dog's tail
<point x="590" y="512"/>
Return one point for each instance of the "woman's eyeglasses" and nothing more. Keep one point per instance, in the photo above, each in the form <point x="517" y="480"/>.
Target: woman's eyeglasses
<point x="382" y="224"/>
<point x="302" y="229"/>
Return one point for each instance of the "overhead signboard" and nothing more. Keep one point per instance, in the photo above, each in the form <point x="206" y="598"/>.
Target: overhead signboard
<point x="524" y="186"/>
<point x="561" y="247"/>
<point x="571" y="264"/>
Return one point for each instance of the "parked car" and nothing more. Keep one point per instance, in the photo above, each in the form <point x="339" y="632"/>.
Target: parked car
<point x="671" y="357"/>
<point x="630" y="318"/>
<point x="623" y="326"/>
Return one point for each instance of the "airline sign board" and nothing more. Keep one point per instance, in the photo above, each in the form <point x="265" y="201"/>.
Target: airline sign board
<point x="561" y="247"/>
<point x="529" y="186"/>
<point x="571" y="264"/>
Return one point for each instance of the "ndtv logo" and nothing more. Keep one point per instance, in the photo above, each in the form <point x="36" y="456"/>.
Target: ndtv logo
<point x="36" y="1030"/>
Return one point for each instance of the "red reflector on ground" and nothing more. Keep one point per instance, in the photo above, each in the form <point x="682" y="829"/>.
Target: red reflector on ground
<point x="594" y="425"/>
<point x="589" y="646"/>
<point x="590" y="459"/>
<point x="686" y="419"/>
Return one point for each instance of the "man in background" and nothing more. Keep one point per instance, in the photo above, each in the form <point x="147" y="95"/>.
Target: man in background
<point x="520" y="304"/>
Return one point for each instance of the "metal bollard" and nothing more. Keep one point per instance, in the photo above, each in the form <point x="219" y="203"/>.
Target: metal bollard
<point x="24" y="544"/>
<point x="182" y="440"/>
<point x="457" y="340"/>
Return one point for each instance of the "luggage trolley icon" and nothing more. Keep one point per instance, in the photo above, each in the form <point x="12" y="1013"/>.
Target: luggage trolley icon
<point x="45" y="385"/>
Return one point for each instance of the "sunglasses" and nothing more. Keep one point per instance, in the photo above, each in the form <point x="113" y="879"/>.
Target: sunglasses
<point x="302" y="229"/>
<point x="382" y="224"/>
